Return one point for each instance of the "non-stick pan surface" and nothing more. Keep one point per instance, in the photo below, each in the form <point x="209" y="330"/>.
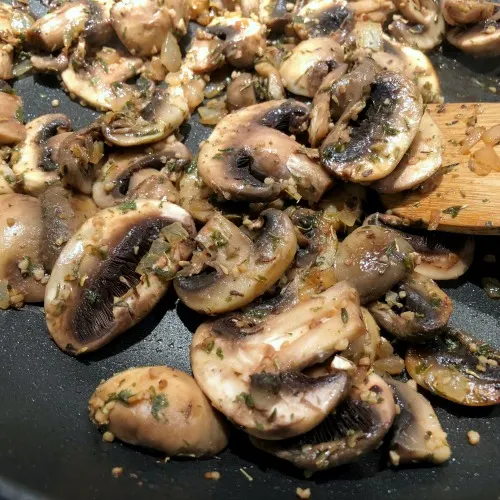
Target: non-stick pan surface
<point x="50" y="450"/>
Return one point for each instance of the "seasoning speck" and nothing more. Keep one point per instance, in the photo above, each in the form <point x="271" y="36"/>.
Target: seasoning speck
<point x="246" y="474"/>
<point x="117" y="471"/>
<point x="473" y="437"/>
<point x="109" y="437"/>
<point x="214" y="475"/>
<point x="303" y="493"/>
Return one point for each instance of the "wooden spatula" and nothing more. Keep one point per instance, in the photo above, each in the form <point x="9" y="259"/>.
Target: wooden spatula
<point x="456" y="199"/>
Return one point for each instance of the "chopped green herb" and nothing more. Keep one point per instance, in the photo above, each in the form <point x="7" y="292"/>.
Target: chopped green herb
<point x="421" y="368"/>
<point x="388" y="130"/>
<point x="19" y="114"/>
<point x="344" y="315"/>
<point x="209" y="347"/>
<point x="219" y="239"/>
<point x="246" y="398"/>
<point x="123" y="396"/>
<point x="127" y="206"/>
<point x="453" y="211"/>
<point x="91" y="296"/>
<point x="158" y="402"/>
<point x="192" y="167"/>
<point x="220" y="353"/>
<point x="451" y="344"/>
<point x="435" y="302"/>
<point x="259" y="426"/>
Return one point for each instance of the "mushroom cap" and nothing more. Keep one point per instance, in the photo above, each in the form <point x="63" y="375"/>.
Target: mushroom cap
<point x="373" y="260"/>
<point x="254" y="266"/>
<point x="466" y="11"/>
<point x="417" y="434"/>
<point x="21" y="239"/>
<point x="249" y="368"/>
<point x="458" y="367"/>
<point x="62" y="214"/>
<point x="108" y="276"/>
<point x="241" y="93"/>
<point x="416" y="309"/>
<point x="422" y="160"/>
<point x="387" y="122"/>
<point x="160" y="408"/>
<point x="309" y="62"/>
<point x="244" y="150"/>
<point x="356" y="427"/>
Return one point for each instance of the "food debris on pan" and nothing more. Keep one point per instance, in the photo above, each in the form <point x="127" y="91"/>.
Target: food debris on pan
<point x="268" y="229"/>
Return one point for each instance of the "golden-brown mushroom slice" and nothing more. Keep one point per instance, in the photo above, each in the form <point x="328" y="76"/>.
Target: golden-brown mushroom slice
<point x="356" y="427"/>
<point x="417" y="433"/>
<point x="373" y="260"/>
<point x="250" y="368"/>
<point x="460" y="12"/>
<point x="441" y="256"/>
<point x="159" y="408"/>
<point x="113" y="271"/>
<point x="21" y="266"/>
<point x="416" y="309"/>
<point x="458" y="367"/>
<point x="249" y="157"/>
<point x="232" y="269"/>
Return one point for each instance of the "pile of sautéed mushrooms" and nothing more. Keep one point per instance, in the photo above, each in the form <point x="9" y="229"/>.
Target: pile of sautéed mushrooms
<point x="265" y="230"/>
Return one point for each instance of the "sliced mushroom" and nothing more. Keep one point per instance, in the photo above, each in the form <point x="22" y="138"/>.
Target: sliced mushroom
<point x="275" y="14"/>
<point x="414" y="64"/>
<point x="373" y="260"/>
<point x="20" y="247"/>
<point x="100" y="83"/>
<point x="47" y="64"/>
<point x="466" y="11"/>
<point x="458" y="367"/>
<point x="166" y="111"/>
<point x="152" y="185"/>
<point x="113" y="271"/>
<point x="239" y="270"/>
<point x="440" y="256"/>
<point x="377" y="11"/>
<point x="243" y="39"/>
<point x="58" y="28"/>
<point x="62" y="215"/>
<point x="245" y="160"/>
<point x="8" y="179"/>
<point x="31" y="158"/>
<point x="204" y="54"/>
<point x="482" y="39"/>
<point x="309" y="62"/>
<point x="194" y="194"/>
<point x="160" y="408"/>
<point x="420" y="25"/>
<point x="417" y="433"/>
<point x="79" y="155"/>
<point x="12" y="129"/>
<point x="320" y="114"/>
<point x="98" y="29"/>
<point x="115" y="180"/>
<point x="249" y="369"/>
<point x="422" y="160"/>
<point x="241" y="92"/>
<point x="373" y="134"/>
<point x="320" y="18"/>
<point x="269" y="85"/>
<point x="416" y="309"/>
<point x="356" y="427"/>
<point x="142" y="25"/>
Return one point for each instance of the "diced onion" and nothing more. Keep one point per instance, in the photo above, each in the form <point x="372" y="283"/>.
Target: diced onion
<point x="22" y="68"/>
<point x="492" y="136"/>
<point x="472" y="139"/>
<point x="393" y="365"/>
<point x="483" y="161"/>
<point x="491" y="287"/>
<point x="171" y="56"/>
<point x="4" y="294"/>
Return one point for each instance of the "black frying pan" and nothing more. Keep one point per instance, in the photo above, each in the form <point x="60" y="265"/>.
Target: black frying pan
<point x="49" y="449"/>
